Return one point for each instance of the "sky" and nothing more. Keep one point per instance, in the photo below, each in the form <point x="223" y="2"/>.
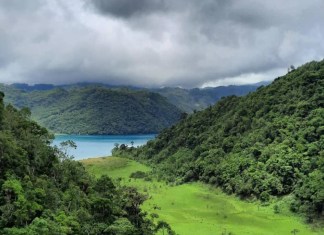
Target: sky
<point x="156" y="43"/>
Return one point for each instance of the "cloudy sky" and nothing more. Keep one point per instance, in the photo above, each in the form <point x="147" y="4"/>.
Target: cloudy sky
<point x="153" y="43"/>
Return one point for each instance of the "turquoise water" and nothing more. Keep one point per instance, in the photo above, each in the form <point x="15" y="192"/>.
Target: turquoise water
<point x="99" y="145"/>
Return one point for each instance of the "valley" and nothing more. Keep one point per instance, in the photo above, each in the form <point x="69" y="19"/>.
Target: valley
<point x="161" y="117"/>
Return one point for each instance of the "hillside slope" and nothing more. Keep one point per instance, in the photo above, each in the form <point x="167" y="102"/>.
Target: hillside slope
<point x="268" y="143"/>
<point x="43" y="191"/>
<point x="96" y="110"/>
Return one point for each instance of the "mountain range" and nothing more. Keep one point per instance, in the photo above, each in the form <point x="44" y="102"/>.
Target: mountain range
<point x="94" y="108"/>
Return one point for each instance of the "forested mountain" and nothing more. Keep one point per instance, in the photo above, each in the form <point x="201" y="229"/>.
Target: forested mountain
<point x="44" y="192"/>
<point x="196" y="99"/>
<point x="186" y="100"/>
<point x="96" y="110"/>
<point x="268" y="143"/>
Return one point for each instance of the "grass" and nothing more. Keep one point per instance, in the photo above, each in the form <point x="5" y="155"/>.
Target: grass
<point x="198" y="209"/>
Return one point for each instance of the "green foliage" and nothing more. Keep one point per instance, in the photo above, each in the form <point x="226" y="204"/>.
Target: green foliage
<point x="268" y="143"/>
<point x="121" y="226"/>
<point x="45" y="192"/>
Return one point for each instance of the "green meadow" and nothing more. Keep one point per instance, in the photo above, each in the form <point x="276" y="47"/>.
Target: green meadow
<point x="199" y="209"/>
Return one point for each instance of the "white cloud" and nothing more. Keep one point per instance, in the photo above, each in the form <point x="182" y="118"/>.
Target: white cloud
<point x="247" y="78"/>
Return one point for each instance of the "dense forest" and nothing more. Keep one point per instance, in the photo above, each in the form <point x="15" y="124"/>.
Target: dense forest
<point x="96" y="110"/>
<point x="267" y="144"/>
<point x="44" y="192"/>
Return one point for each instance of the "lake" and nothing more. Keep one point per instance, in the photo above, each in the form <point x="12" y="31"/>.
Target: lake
<point x="99" y="145"/>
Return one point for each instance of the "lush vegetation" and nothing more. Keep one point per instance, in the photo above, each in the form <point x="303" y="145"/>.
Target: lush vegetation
<point x="96" y="110"/>
<point x="196" y="208"/>
<point x="267" y="144"/>
<point x="44" y="192"/>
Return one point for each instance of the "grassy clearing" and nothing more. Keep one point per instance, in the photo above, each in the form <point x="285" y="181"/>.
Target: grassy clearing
<point x="198" y="209"/>
<point x="113" y="166"/>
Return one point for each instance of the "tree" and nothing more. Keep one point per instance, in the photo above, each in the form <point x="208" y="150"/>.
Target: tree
<point x="121" y="226"/>
<point x="63" y="150"/>
<point x="165" y="227"/>
<point x="1" y="109"/>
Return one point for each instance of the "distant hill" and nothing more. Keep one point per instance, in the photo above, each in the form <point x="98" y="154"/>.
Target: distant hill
<point x="268" y="143"/>
<point x="36" y="87"/>
<point x="197" y="99"/>
<point x="188" y="100"/>
<point x="45" y="87"/>
<point x="96" y="110"/>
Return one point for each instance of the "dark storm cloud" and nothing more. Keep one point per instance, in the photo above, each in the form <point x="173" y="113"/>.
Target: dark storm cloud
<point x="157" y="42"/>
<point x="128" y="8"/>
